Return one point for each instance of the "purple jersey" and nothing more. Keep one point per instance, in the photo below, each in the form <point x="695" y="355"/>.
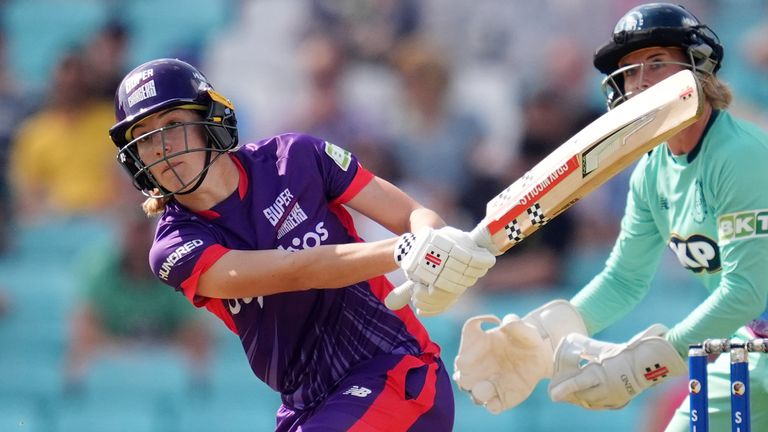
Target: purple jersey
<point x="290" y="196"/>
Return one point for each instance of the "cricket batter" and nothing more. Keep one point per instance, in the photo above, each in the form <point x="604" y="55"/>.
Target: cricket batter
<point x="703" y="194"/>
<point x="257" y="235"/>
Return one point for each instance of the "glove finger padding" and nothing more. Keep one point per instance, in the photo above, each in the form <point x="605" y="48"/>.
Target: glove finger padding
<point x="432" y="295"/>
<point x="482" y="258"/>
<point x="500" y="367"/>
<point x="473" y="346"/>
<point x="399" y="297"/>
<point x="601" y="375"/>
<point x="524" y="335"/>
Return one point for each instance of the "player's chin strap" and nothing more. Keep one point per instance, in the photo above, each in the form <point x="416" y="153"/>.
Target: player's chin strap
<point x="201" y="176"/>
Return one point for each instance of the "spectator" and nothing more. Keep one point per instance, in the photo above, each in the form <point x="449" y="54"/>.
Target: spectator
<point x="434" y="139"/>
<point x="12" y="110"/>
<point x="369" y="29"/>
<point x="326" y="111"/>
<point x="104" y="55"/>
<point x="60" y="161"/>
<point x="124" y="306"/>
<point x="549" y="120"/>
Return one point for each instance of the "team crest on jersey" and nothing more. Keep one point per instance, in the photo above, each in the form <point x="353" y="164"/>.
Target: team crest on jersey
<point x="697" y="253"/>
<point x="339" y="155"/>
<point x="742" y="225"/>
<point x="699" y="203"/>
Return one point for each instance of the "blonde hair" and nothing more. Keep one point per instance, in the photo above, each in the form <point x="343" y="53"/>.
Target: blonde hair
<point x="155" y="206"/>
<point x="718" y="93"/>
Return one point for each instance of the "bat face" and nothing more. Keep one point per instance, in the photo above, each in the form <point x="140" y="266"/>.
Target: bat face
<point x="588" y="159"/>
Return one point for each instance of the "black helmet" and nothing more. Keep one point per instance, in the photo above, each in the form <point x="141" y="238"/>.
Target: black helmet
<point x="163" y="84"/>
<point x="664" y="25"/>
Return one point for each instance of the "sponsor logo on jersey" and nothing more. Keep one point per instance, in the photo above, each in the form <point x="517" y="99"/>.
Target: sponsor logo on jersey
<point x="696" y="253"/>
<point x="175" y="256"/>
<point x="309" y="240"/>
<point x="285" y="212"/>
<point x="742" y="225"/>
<point x="339" y="155"/>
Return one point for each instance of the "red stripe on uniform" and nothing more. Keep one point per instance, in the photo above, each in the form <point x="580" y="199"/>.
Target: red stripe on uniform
<point x="362" y="178"/>
<point x="380" y="285"/>
<point x="391" y="411"/>
<point x="189" y="287"/>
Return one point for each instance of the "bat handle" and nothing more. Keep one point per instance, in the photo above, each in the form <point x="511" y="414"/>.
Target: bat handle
<point x="482" y="237"/>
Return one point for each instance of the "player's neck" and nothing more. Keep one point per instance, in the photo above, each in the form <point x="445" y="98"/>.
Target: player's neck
<point x="687" y="139"/>
<point x="221" y="181"/>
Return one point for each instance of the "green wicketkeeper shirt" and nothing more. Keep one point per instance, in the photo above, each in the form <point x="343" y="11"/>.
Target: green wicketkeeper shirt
<point x="710" y="207"/>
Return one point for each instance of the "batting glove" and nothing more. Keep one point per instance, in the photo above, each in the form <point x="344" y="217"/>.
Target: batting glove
<point x="602" y="375"/>
<point x="440" y="265"/>
<point x="500" y="367"/>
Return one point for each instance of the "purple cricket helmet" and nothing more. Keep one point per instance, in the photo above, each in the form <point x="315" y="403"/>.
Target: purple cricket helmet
<point x="159" y="85"/>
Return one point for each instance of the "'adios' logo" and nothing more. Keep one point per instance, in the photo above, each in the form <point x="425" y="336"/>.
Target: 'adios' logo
<point x="742" y="225"/>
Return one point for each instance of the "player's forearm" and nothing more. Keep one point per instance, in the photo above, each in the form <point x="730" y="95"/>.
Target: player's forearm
<point x="239" y="274"/>
<point x="731" y="306"/>
<point x="424" y="217"/>
<point x="337" y="266"/>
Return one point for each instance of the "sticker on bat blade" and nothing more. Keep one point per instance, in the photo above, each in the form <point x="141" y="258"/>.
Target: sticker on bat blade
<point x="686" y="93"/>
<point x="536" y="215"/>
<point x="533" y="194"/>
<point x="509" y="194"/>
<point x="592" y="158"/>
<point x="514" y="232"/>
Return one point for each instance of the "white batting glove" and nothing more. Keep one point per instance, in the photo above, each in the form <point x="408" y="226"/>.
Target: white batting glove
<point x="440" y="265"/>
<point x="602" y="375"/>
<point x="501" y="366"/>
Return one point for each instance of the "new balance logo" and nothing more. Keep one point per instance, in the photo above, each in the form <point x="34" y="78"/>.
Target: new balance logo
<point x="358" y="391"/>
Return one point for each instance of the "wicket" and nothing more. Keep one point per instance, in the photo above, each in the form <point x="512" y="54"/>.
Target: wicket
<point x="697" y="383"/>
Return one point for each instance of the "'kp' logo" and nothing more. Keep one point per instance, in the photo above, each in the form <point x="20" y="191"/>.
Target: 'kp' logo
<point x="742" y="225"/>
<point x="696" y="253"/>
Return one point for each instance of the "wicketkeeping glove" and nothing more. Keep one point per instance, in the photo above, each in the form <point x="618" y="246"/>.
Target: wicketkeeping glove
<point x="602" y="375"/>
<point x="501" y="366"/>
<point x="440" y="265"/>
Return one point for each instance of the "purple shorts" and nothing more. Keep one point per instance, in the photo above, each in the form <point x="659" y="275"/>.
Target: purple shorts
<point x="392" y="392"/>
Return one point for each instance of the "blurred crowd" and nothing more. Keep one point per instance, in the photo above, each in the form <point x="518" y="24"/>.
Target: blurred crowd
<point x="451" y="100"/>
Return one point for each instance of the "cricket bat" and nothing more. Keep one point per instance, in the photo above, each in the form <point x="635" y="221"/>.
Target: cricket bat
<point x="580" y="165"/>
<point x="590" y="158"/>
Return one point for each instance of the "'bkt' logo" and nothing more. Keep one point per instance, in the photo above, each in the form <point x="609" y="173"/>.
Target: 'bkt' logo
<point x="743" y="225"/>
<point x="696" y="253"/>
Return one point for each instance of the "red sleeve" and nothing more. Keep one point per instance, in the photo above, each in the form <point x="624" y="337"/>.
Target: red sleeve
<point x="207" y="259"/>
<point x="189" y="286"/>
<point x="362" y="178"/>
